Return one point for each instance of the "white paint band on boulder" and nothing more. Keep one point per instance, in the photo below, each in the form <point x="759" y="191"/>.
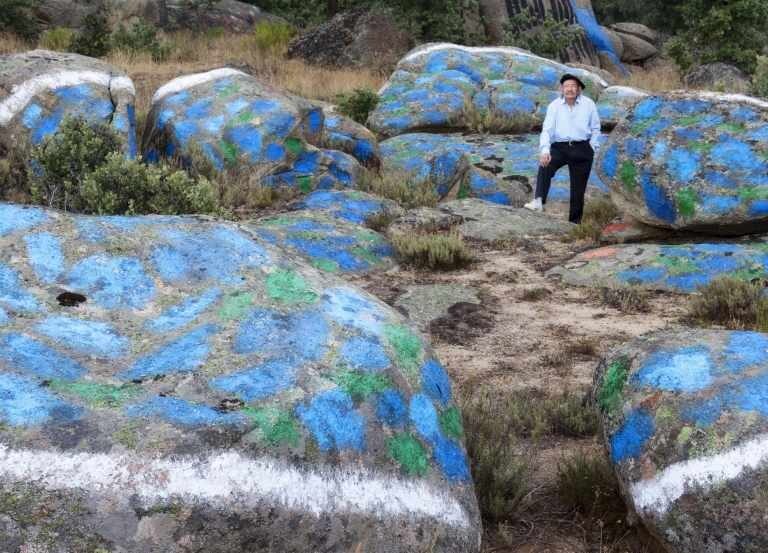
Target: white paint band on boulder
<point x="231" y="479"/>
<point x="122" y="84"/>
<point x="188" y="81"/>
<point x="733" y="98"/>
<point x="657" y="494"/>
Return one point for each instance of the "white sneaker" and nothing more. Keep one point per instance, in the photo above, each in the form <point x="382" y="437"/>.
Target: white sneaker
<point x="535" y="205"/>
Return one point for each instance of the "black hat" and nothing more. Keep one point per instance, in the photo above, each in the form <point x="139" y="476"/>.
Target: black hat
<point x="569" y="77"/>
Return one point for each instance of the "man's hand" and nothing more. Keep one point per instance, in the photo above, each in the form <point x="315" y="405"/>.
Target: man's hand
<point x="544" y="159"/>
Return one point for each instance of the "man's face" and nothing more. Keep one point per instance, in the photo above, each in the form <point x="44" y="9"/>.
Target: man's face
<point x="570" y="89"/>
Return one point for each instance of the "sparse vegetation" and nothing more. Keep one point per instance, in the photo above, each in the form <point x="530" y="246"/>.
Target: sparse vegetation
<point x="141" y="37"/>
<point x="432" y="250"/>
<point x="358" y="104"/>
<point x="94" y="38"/>
<point x="535" y="294"/>
<point x="16" y="17"/>
<point x="403" y="188"/>
<point x="731" y="303"/>
<point x="760" y="78"/>
<point x="597" y="214"/>
<point x="272" y="37"/>
<point x="548" y="38"/>
<point x="58" y="39"/>
<point x="627" y="299"/>
<point x="587" y="484"/>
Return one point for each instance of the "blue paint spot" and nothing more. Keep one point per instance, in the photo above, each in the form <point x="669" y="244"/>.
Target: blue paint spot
<point x="745" y="349"/>
<point x="644" y="275"/>
<point x="423" y="416"/>
<point x="349" y="308"/>
<point x="113" y="282"/>
<point x="248" y="139"/>
<point x="611" y="161"/>
<point x="689" y="106"/>
<point x="703" y="413"/>
<point x="315" y="121"/>
<point x="84" y="336"/>
<point x="275" y="153"/>
<point x="648" y="108"/>
<point x="688" y="283"/>
<point x="718" y="264"/>
<point x="391" y="409"/>
<point x="735" y="155"/>
<point x="720" y="179"/>
<point x="16" y="218"/>
<point x="198" y="109"/>
<point x="684" y="133"/>
<point x="333" y="421"/>
<point x="659" y="151"/>
<point x="24" y="403"/>
<point x="184" y="313"/>
<point x="183" y="413"/>
<point x="184" y="354"/>
<point x="47" y="126"/>
<point x="435" y="381"/>
<point x="683" y="165"/>
<point x="628" y="441"/>
<point x="12" y="292"/>
<point x="635" y="148"/>
<point x="364" y="353"/>
<point x="30" y="356"/>
<point x="758" y="208"/>
<point x="31" y="115"/>
<point x="302" y="335"/>
<point x="683" y="370"/>
<point x="45" y="255"/>
<point x="259" y="382"/>
<point x="596" y="35"/>
<point x="3" y="317"/>
<point x="656" y="200"/>
<point x="451" y="459"/>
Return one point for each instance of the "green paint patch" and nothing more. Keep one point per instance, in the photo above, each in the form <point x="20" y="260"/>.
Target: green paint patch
<point x="127" y="436"/>
<point x="748" y="274"/>
<point x="700" y="146"/>
<point x="294" y="145"/>
<point x="665" y="416"/>
<point x="305" y="183"/>
<point x="450" y="422"/>
<point x="641" y="126"/>
<point x="689" y="120"/>
<point x="360" y="385"/>
<point x="289" y="287"/>
<point x="279" y="221"/>
<point x="609" y="397"/>
<point x="244" y="117"/>
<point x="684" y="436"/>
<point x="366" y="255"/>
<point x="228" y="150"/>
<point x="97" y="395"/>
<point x="686" y="201"/>
<point x="326" y="265"/>
<point x="278" y="427"/>
<point x="367" y="235"/>
<point x="753" y="193"/>
<point x="229" y="90"/>
<point x="409" y="453"/>
<point x="463" y="191"/>
<point x="236" y="306"/>
<point x="677" y="265"/>
<point x="732" y="127"/>
<point x="628" y="175"/>
<point x="308" y="235"/>
<point x="407" y="347"/>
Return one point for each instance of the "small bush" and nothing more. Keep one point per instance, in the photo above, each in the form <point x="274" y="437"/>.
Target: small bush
<point x="535" y="294"/>
<point x="597" y="215"/>
<point x="272" y="37"/>
<point x="16" y="16"/>
<point x="548" y="38"/>
<point x="732" y="303"/>
<point x="493" y="121"/>
<point x="432" y="251"/>
<point x="628" y="299"/>
<point x="94" y="37"/>
<point x="58" y="39"/>
<point x="358" y="104"/>
<point x="571" y="415"/>
<point x="380" y="220"/>
<point x="402" y="188"/>
<point x="588" y="485"/>
<point x="760" y="78"/>
<point x="140" y="37"/>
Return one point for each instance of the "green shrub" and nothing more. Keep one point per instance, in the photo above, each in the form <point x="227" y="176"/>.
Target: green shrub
<point x="432" y="251"/>
<point x="16" y="17"/>
<point x="14" y="181"/>
<point x="272" y="37"/>
<point x="58" y="39"/>
<point x="548" y="37"/>
<point x="760" y="78"/>
<point x="400" y="187"/>
<point x="627" y="299"/>
<point x="358" y="104"/>
<point x="597" y="215"/>
<point x="140" y="37"/>
<point x="94" y="37"/>
<point x="732" y="303"/>
<point x="588" y="485"/>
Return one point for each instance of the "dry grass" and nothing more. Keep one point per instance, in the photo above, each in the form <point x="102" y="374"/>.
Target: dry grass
<point x="731" y="303"/>
<point x="10" y="44"/>
<point x="662" y="77"/>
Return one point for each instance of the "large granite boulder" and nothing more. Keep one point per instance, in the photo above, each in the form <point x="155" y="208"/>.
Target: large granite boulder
<point x="695" y="161"/>
<point x="367" y="38"/>
<point x="239" y="123"/>
<point x="685" y="418"/>
<point x="39" y="89"/>
<point x="447" y="86"/>
<point x="171" y="384"/>
<point x="718" y="76"/>
<point x="351" y="206"/>
<point x="499" y="169"/>
<point x="616" y="102"/>
<point x="637" y="30"/>
<point x="635" y="49"/>
<point x="679" y="268"/>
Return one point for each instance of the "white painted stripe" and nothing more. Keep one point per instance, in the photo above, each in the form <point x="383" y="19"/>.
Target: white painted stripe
<point x="122" y="84"/>
<point x="626" y="90"/>
<point x="232" y="480"/>
<point x="22" y="93"/>
<point x="657" y="494"/>
<point x="188" y="81"/>
<point x="734" y="98"/>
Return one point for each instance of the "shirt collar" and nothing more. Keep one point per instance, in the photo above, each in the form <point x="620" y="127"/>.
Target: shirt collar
<point x="562" y="99"/>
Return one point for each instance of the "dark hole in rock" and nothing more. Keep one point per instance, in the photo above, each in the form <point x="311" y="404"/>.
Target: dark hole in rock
<point x="490" y="168"/>
<point x="231" y="404"/>
<point x="70" y="299"/>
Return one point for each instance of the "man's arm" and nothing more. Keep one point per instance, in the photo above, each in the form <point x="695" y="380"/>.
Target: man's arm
<point x="594" y="127"/>
<point x="547" y="129"/>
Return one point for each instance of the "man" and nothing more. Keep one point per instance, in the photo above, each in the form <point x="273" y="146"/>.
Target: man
<point x="570" y="136"/>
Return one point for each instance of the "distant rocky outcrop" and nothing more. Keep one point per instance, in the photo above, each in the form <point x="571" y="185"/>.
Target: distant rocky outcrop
<point x="721" y="77"/>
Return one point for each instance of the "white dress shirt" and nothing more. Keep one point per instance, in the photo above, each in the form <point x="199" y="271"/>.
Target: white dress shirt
<point x="564" y="123"/>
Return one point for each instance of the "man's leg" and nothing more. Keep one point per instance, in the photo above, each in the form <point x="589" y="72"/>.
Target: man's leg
<point x="579" y="167"/>
<point x="545" y="174"/>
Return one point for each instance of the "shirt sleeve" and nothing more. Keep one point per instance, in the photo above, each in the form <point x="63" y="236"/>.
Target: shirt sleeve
<point x="545" y="140"/>
<point x="594" y="127"/>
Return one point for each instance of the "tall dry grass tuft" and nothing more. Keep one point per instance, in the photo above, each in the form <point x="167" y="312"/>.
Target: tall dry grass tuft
<point x="660" y="78"/>
<point x="11" y="44"/>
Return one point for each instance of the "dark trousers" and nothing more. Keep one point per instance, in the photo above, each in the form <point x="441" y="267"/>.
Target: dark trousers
<point x="578" y="157"/>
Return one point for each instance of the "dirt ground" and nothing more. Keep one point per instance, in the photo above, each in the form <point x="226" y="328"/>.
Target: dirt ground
<point x="534" y="341"/>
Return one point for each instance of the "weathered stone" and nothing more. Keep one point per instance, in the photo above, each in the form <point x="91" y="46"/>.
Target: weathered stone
<point x="199" y="388"/>
<point x="637" y="29"/>
<point x="39" y="89"/>
<point x="636" y="49"/>
<point x="427" y="302"/>
<point x="357" y="38"/>
<point x="685" y="418"/>
<point x="447" y="86"/>
<point x="615" y="103"/>
<point x="615" y="39"/>
<point x="352" y="206"/>
<point x="240" y="123"/>
<point x="629" y="230"/>
<point x="721" y="77"/>
<point x="675" y="268"/>
<point x="328" y="242"/>
<point x="424" y="219"/>
<point x="348" y="136"/>
<point x="696" y="161"/>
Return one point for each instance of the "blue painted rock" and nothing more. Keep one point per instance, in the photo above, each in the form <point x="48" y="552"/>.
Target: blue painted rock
<point x="167" y="381"/>
<point x="499" y="169"/>
<point x="352" y="206"/>
<point x="691" y="161"/>
<point x="615" y="103"/>
<point x="327" y="242"/>
<point x="447" y="86"/>
<point x="676" y="268"/>
<point x="685" y="418"/>
<point x="346" y="135"/>
<point x="38" y="89"/>
<point x="239" y="123"/>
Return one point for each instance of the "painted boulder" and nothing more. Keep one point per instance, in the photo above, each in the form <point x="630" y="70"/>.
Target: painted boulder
<point x="39" y="89"/>
<point x="169" y="383"/>
<point x="685" y="418"/>
<point x="348" y="136"/>
<point x="615" y="103"/>
<point x="352" y="206"/>
<point x="681" y="268"/>
<point x="499" y="169"/>
<point x="691" y="161"/>
<point x="447" y="86"/>
<point x="239" y="123"/>
<point x="327" y="242"/>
